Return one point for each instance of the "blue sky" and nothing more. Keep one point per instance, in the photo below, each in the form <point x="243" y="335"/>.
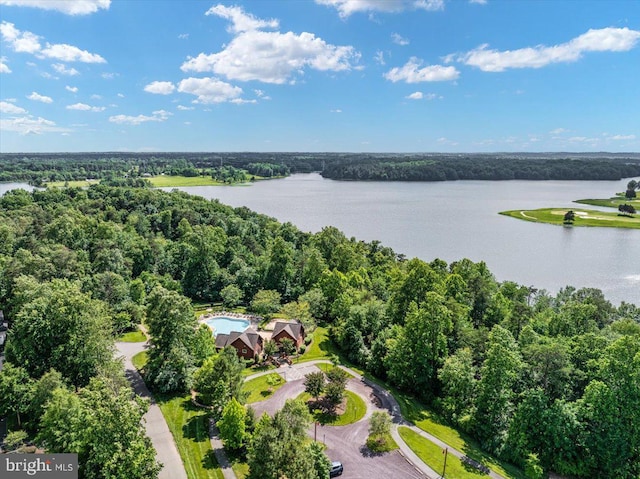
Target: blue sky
<point x="320" y="75"/>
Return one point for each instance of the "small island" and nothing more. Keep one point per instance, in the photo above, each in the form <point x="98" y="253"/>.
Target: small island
<point x="626" y="205"/>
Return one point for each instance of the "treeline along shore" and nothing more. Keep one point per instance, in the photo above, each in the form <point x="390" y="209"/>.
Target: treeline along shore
<point x="40" y="168"/>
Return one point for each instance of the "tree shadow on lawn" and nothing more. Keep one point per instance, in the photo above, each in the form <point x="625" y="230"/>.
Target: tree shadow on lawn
<point x="196" y="428"/>
<point x="209" y="460"/>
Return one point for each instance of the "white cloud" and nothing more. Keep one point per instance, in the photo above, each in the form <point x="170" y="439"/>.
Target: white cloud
<point x="412" y="73"/>
<point x="69" y="7"/>
<point x="379" y="57"/>
<point x="37" y="97"/>
<point x="623" y="137"/>
<point x="28" y="125"/>
<point x="11" y="109"/>
<point x="240" y="20"/>
<point x="160" y="115"/>
<point x="85" y="107"/>
<point x="418" y="95"/>
<point x="72" y="89"/>
<point x="160" y="87"/>
<point x="183" y="36"/>
<point x="69" y="53"/>
<point x="478" y="2"/>
<point x="63" y="70"/>
<point x="348" y="7"/>
<point x="4" y="68"/>
<point x="558" y="131"/>
<point x="262" y="95"/>
<point x="399" y="40"/>
<point x="603" y="40"/>
<point x="96" y="97"/>
<point x="25" y="42"/>
<point x="338" y="110"/>
<point x="120" y="95"/>
<point x="210" y="90"/>
<point x="185" y="108"/>
<point x="109" y="76"/>
<point x="28" y="42"/>
<point x="272" y="57"/>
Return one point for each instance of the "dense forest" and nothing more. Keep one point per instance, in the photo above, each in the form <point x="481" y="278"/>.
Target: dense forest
<point x="39" y="168"/>
<point x="530" y="375"/>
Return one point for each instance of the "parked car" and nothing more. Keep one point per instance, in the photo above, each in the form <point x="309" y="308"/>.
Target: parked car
<point x="336" y="469"/>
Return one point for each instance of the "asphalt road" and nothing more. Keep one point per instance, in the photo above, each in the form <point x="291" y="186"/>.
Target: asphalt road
<point x="347" y="443"/>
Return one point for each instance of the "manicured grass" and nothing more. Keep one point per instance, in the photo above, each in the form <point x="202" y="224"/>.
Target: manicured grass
<point x="257" y="369"/>
<point x="140" y="360"/>
<point x="355" y="410"/>
<point x="71" y="184"/>
<point x="583" y="217"/>
<point x="432" y="455"/>
<point x="259" y="388"/>
<point x="136" y="336"/>
<point x="189" y="426"/>
<point x="611" y="202"/>
<point x="383" y="443"/>
<point x="326" y="367"/>
<point x="321" y="346"/>
<point x="430" y="422"/>
<point x="166" y="181"/>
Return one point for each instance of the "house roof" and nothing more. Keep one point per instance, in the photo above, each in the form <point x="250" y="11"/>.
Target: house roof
<point x="294" y="330"/>
<point x="249" y="337"/>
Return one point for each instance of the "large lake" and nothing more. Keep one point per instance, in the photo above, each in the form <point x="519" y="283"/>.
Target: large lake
<point x="454" y="220"/>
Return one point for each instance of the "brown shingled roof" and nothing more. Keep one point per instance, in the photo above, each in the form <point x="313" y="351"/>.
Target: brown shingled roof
<point x="294" y="330"/>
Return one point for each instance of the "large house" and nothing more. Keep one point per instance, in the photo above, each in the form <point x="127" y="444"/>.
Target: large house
<point x="293" y="331"/>
<point x="248" y="343"/>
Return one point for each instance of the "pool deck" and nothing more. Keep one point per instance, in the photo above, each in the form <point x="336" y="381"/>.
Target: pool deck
<point x="253" y="320"/>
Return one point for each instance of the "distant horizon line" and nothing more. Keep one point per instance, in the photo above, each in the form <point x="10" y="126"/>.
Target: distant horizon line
<point x="560" y="152"/>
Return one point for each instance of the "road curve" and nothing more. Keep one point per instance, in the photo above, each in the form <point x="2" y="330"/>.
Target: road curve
<point x="155" y="424"/>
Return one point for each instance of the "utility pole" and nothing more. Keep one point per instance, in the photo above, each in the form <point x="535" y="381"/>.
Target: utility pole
<point x="446" y="453"/>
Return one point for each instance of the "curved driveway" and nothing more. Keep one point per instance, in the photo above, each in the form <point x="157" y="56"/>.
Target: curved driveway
<point x="156" y="426"/>
<point x="346" y="443"/>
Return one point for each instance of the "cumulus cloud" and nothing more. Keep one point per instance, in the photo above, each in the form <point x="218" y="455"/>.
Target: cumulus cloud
<point x="185" y="108"/>
<point x="595" y="40"/>
<point x="240" y="20"/>
<point x="69" y="7"/>
<point x="413" y="72"/>
<point x="159" y="115"/>
<point x="63" y="70"/>
<point x="85" y="107"/>
<point x="11" y="109"/>
<point x="418" y="95"/>
<point x="160" y="87"/>
<point x="399" y="39"/>
<point x="270" y="57"/>
<point x="27" y="42"/>
<point x="348" y="7"/>
<point x="72" y="89"/>
<point x="37" y="97"/>
<point x="478" y="2"/>
<point x="28" y="125"/>
<point x="210" y="90"/>
<point x="4" y="68"/>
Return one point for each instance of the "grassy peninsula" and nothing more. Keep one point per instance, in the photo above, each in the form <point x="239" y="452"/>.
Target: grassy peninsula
<point x="583" y="217"/>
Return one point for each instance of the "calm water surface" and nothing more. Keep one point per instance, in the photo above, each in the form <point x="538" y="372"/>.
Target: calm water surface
<point x="454" y="220"/>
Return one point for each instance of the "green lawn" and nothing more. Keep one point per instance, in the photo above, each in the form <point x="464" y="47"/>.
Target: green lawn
<point x="321" y="346"/>
<point x="432" y="455"/>
<point x="259" y="388"/>
<point x="257" y="369"/>
<point x="383" y="443"/>
<point x="583" y="217"/>
<point x="140" y="360"/>
<point x="189" y="426"/>
<point x="611" y="202"/>
<point x="356" y="409"/>
<point x="166" y="181"/>
<point x="136" y="336"/>
<point x="430" y="422"/>
<point x="71" y="184"/>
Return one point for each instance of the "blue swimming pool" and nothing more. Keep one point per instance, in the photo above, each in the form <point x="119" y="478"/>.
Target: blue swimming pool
<point x="224" y="325"/>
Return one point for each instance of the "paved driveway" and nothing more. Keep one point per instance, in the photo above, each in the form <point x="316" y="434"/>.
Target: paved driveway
<point x="345" y="443"/>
